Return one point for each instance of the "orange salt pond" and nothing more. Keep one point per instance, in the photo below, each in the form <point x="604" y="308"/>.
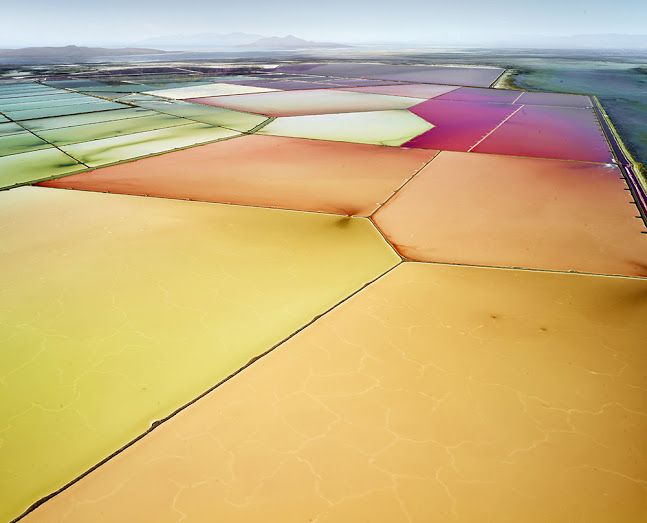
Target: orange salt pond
<point x="484" y="209"/>
<point x="449" y="394"/>
<point x="266" y="171"/>
<point x="117" y="310"/>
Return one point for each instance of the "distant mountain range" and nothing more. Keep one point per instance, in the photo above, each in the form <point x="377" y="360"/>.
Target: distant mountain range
<point x="231" y="42"/>
<point x="246" y="42"/>
<point x="252" y="41"/>
<point x="207" y="41"/>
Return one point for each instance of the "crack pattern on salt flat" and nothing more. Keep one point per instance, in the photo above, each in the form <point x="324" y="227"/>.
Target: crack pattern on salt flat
<point x="429" y="396"/>
<point x="148" y="304"/>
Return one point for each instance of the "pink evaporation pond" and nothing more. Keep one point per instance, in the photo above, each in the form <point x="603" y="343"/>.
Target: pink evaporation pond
<point x="565" y="133"/>
<point x="475" y="94"/>
<point x="458" y="125"/>
<point x="562" y="100"/>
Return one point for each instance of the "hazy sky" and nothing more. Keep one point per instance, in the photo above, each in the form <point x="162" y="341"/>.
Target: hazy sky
<point x="114" y="22"/>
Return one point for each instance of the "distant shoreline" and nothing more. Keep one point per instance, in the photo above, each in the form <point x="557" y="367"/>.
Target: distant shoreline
<point x="506" y="80"/>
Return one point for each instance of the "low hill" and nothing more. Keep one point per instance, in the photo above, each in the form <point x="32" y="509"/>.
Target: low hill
<point x="70" y="53"/>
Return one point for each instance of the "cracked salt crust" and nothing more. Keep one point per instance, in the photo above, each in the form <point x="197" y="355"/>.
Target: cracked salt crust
<point x="437" y="393"/>
<point x="116" y="310"/>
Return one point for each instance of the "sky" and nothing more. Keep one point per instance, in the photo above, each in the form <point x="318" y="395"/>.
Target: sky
<point x="451" y="22"/>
